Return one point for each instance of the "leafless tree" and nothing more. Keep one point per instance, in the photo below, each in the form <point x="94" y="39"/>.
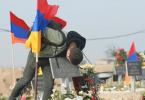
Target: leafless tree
<point x="111" y="51"/>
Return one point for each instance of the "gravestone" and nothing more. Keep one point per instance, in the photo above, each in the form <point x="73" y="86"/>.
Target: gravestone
<point x="115" y="77"/>
<point x="120" y="70"/>
<point x="40" y="83"/>
<point x="141" y="77"/>
<point x="62" y="68"/>
<point x="133" y="69"/>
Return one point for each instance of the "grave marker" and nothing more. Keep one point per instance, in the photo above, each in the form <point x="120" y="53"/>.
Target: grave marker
<point x="119" y="70"/>
<point x="141" y="78"/>
<point x="62" y="68"/>
<point x="133" y="69"/>
<point x="40" y="83"/>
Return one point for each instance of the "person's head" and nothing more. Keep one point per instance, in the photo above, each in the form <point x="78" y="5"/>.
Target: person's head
<point x="75" y="56"/>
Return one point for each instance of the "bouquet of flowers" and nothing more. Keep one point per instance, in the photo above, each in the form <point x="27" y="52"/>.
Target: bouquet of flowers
<point x="141" y="57"/>
<point x="121" y="57"/>
<point x="3" y="98"/>
<point x="88" y="68"/>
<point x="87" y="96"/>
<point x="70" y="95"/>
<point x="28" y="95"/>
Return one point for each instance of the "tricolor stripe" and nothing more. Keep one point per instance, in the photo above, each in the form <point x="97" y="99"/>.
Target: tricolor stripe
<point x="132" y="49"/>
<point x="17" y="40"/>
<point x="132" y="56"/>
<point x="45" y="14"/>
<point x="18" y="21"/>
<point x="19" y="29"/>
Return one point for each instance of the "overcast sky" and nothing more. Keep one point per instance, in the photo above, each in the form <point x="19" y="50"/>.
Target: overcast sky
<point x="90" y="18"/>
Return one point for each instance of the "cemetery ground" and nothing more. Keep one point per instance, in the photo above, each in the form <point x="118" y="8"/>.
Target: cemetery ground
<point x="116" y="92"/>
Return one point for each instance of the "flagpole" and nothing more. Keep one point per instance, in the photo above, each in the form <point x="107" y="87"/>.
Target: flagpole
<point x="13" y="62"/>
<point x="36" y="76"/>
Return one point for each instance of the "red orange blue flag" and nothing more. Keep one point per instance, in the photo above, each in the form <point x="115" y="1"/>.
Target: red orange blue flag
<point x="19" y="29"/>
<point x="45" y="13"/>
<point x="132" y="56"/>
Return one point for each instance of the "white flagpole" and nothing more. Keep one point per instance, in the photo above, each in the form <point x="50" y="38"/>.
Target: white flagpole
<point x="13" y="63"/>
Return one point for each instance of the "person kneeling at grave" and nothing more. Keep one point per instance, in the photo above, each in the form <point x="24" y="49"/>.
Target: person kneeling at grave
<point x="55" y="42"/>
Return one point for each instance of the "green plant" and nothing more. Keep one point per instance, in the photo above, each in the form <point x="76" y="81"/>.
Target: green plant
<point x="121" y="57"/>
<point x="109" y="90"/>
<point x="111" y="51"/>
<point x="3" y="98"/>
<point x="143" y="94"/>
<point x="58" y="96"/>
<point x="87" y="68"/>
<point x="141" y="56"/>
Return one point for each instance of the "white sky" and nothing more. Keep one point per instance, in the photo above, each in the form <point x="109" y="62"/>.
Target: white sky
<point x="90" y="18"/>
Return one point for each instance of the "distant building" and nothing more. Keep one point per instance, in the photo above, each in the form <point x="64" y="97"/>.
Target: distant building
<point x="105" y="61"/>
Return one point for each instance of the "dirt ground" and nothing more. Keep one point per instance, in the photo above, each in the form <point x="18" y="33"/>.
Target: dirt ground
<point x="6" y="80"/>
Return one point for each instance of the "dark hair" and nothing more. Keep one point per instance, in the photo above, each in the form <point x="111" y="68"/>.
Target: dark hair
<point x="76" y="56"/>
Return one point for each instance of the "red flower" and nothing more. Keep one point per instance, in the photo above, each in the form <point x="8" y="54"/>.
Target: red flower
<point x="121" y="58"/>
<point x="141" y="99"/>
<point x="120" y="49"/>
<point x="118" y="54"/>
<point x="117" y="57"/>
<point x="93" y="98"/>
<point x="119" y="64"/>
<point x="90" y="81"/>
<point x="92" y="89"/>
<point x="138" y="58"/>
<point x="23" y="98"/>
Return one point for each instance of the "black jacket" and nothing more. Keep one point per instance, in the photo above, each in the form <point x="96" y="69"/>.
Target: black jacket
<point x="73" y="37"/>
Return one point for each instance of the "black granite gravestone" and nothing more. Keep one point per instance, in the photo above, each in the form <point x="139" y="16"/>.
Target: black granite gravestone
<point x="120" y="70"/>
<point x="40" y="83"/>
<point x="62" y="68"/>
<point x="141" y="77"/>
<point x="134" y="68"/>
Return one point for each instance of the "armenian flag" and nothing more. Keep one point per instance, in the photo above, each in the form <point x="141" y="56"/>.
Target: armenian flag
<point x="19" y="29"/>
<point x="45" y="13"/>
<point x="132" y="56"/>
